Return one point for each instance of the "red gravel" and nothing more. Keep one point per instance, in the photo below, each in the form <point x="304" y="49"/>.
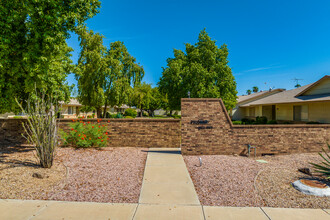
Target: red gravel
<point x="240" y="181"/>
<point x="111" y="175"/>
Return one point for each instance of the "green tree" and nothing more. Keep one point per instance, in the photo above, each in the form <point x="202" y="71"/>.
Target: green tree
<point x="248" y="91"/>
<point x="201" y="70"/>
<point x="33" y="48"/>
<point x="142" y="97"/>
<point x="255" y="89"/>
<point x="123" y="74"/>
<point x="91" y="70"/>
<point x="105" y="77"/>
<point x="157" y="101"/>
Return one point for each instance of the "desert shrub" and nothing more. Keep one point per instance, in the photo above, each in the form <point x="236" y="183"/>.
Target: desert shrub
<point x="41" y="127"/>
<point x="323" y="167"/>
<point x="272" y="122"/>
<point x="85" y="134"/>
<point x="130" y="112"/>
<point x="261" y="120"/>
<point x="237" y="122"/>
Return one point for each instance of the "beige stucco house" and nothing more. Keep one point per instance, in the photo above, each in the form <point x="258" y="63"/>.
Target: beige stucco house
<point x="307" y="103"/>
<point x="73" y="108"/>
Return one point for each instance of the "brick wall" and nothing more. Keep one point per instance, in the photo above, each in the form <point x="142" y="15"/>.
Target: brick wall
<point x="122" y="132"/>
<point x="207" y="129"/>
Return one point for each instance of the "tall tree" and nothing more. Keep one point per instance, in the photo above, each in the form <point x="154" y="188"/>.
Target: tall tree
<point x="91" y="70"/>
<point x="105" y="77"/>
<point x="255" y="89"/>
<point x="201" y="70"/>
<point x="142" y="97"/>
<point x="33" y="48"/>
<point x="123" y="74"/>
<point x="157" y="101"/>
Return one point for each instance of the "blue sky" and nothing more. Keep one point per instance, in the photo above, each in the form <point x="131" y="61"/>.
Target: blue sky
<point x="269" y="42"/>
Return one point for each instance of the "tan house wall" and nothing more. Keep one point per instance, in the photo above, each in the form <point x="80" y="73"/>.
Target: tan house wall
<point x="322" y="88"/>
<point x="319" y="112"/>
<point x="284" y="112"/>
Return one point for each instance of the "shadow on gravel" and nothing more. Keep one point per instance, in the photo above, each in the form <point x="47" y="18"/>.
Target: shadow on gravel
<point x="5" y="151"/>
<point x="163" y="151"/>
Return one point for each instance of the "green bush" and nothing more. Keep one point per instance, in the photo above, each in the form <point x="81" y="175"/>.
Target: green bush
<point x="118" y="115"/>
<point x="237" y="122"/>
<point x="18" y="117"/>
<point x="313" y="122"/>
<point x="145" y="114"/>
<point x="130" y="112"/>
<point x="128" y="116"/>
<point x="272" y="122"/>
<point x="324" y="167"/>
<point x="176" y="116"/>
<point x="85" y="134"/>
<point x="261" y="120"/>
<point x="247" y="121"/>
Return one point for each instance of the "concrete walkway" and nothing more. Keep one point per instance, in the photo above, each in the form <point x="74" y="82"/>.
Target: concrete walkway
<point x="167" y="193"/>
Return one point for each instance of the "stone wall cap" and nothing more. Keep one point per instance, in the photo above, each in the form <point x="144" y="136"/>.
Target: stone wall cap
<point x="283" y="126"/>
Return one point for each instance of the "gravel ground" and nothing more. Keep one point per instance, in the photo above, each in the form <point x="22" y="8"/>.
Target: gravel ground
<point x="17" y="165"/>
<point x="240" y="181"/>
<point x="93" y="175"/>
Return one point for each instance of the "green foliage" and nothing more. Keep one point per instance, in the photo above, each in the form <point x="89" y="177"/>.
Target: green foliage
<point x="129" y="117"/>
<point x="105" y="76"/>
<point x="272" y="122"/>
<point x="237" y="122"/>
<point x="255" y="89"/>
<point x="85" y="134"/>
<point x="130" y="112"/>
<point x="324" y="166"/>
<point x="313" y="122"/>
<point x="176" y="116"/>
<point x="261" y="120"/>
<point x="201" y="70"/>
<point x="142" y="96"/>
<point x="248" y="92"/>
<point x="247" y="121"/>
<point x="118" y="115"/>
<point x="33" y="48"/>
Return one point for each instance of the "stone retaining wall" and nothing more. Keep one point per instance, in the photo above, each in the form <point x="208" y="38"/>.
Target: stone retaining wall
<point x="122" y="132"/>
<point x="207" y="129"/>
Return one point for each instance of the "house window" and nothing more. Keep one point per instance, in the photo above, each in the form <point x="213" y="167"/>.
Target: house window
<point x="70" y="110"/>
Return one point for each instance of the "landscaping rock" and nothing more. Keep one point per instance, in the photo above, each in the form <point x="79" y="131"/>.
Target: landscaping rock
<point x="312" y="187"/>
<point x="305" y="171"/>
<point x="38" y="175"/>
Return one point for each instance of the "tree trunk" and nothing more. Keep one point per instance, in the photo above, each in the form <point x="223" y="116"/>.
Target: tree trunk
<point x="99" y="112"/>
<point x="105" y="109"/>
